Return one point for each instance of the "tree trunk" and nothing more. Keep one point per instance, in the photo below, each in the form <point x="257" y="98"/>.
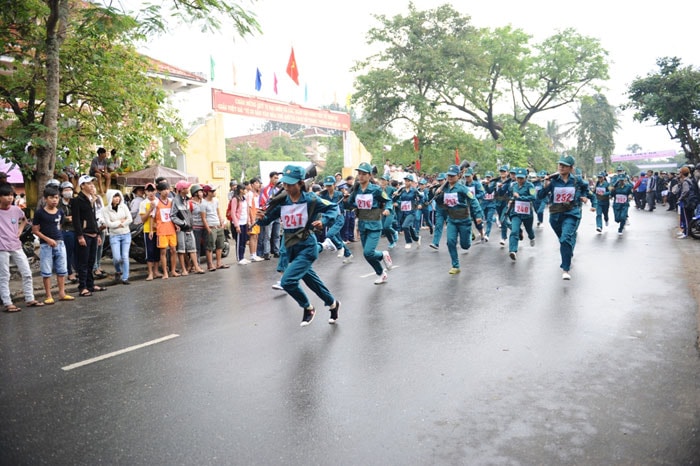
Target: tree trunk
<point x="46" y="151"/>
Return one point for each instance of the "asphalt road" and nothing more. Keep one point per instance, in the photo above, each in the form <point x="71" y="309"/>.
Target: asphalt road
<point x="503" y="364"/>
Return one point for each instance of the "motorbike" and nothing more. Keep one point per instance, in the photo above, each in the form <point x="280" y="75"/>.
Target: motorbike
<point x="137" y="250"/>
<point x="30" y="243"/>
<point x="694" y="226"/>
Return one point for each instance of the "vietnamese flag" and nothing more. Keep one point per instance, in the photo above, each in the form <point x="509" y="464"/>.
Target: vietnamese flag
<point x="456" y="156"/>
<point x="418" y="165"/>
<point x="292" y="69"/>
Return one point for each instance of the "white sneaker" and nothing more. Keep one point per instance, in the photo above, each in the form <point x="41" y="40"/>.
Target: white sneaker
<point x="418" y="242"/>
<point x="532" y="242"/>
<point x="408" y="246"/>
<point x="619" y="233"/>
<point x="383" y="278"/>
<point x="256" y="258"/>
<point x="348" y="259"/>
<point x="277" y="286"/>
<point x="502" y="242"/>
<point x="388" y="263"/>
<point x="565" y="276"/>
<point x="341" y="253"/>
<point x="513" y="255"/>
<point x="243" y="262"/>
<point x="486" y="238"/>
<point x="328" y="245"/>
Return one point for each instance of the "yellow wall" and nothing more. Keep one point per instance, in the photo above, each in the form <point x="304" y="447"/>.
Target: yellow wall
<point x="206" y="147"/>
<point x="355" y="154"/>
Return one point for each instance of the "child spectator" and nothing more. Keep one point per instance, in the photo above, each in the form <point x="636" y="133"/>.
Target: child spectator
<point x="147" y="212"/>
<point x="165" y="229"/>
<point x="52" y="250"/>
<point x="12" y="222"/>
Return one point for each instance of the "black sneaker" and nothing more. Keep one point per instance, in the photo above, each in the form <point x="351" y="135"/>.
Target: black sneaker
<point x="334" y="312"/>
<point x="309" y="313"/>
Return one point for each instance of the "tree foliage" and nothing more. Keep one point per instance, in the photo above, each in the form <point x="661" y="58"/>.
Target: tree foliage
<point x="596" y="124"/>
<point x="433" y="67"/>
<point x="670" y="97"/>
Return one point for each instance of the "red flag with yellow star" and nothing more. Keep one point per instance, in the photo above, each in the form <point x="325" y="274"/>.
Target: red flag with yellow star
<point x="292" y="69"/>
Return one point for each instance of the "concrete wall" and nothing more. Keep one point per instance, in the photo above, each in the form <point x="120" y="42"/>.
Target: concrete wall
<point x="205" y="154"/>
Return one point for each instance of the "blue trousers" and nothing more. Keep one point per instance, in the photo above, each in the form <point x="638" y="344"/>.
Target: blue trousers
<point x="388" y="228"/>
<point x="120" y="245"/>
<point x="601" y="212"/>
<point x="515" y="222"/>
<point x="440" y="219"/>
<point x="565" y="227"/>
<point x="620" y="213"/>
<point x="489" y="219"/>
<point x="408" y="227"/>
<point x="461" y="228"/>
<point x="301" y="257"/>
<point x="333" y="233"/>
<point x="370" y="239"/>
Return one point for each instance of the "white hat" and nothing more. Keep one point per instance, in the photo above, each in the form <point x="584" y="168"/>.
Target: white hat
<point x="85" y="179"/>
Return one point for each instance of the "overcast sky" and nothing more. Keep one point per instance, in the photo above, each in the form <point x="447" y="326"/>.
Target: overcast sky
<point x="329" y="38"/>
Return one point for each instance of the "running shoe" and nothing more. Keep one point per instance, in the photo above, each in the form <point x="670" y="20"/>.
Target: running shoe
<point x="392" y="245"/>
<point x="328" y="245"/>
<point x="532" y="242"/>
<point x="418" y="242"/>
<point x="386" y="259"/>
<point x="408" y="246"/>
<point x="382" y="279"/>
<point x="502" y="242"/>
<point x="256" y="258"/>
<point x="619" y="233"/>
<point x="348" y="259"/>
<point x="341" y="253"/>
<point x="334" y="312"/>
<point x="598" y="230"/>
<point x="309" y="314"/>
<point x="454" y="271"/>
<point x="434" y="246"/>
<point x="513" y="255"/>
<point x="277" y="286"/>
<point x="486" y="238"/>
<point x="243" y="262"/>
<point x="565" y="276"/>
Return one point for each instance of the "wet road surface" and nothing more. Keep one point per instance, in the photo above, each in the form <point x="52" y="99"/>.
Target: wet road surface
<point x="504" y="363"/>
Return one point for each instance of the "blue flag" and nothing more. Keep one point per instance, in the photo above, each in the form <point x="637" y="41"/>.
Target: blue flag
<point x="258" y="79"/>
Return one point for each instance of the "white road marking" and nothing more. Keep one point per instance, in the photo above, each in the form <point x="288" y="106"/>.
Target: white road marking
<point x="117" y="353"/>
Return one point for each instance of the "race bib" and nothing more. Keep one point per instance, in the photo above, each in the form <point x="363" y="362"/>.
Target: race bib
<point x="564" y="194"/>
<point x="472" y="189"/>
<point x="600" y="191"/>
<point x="294" y="216"/>
<point x="406" y="206"/>
<point x="165" y="215"/>
<point x="364" y="201"/>
<point x="522" y="207"/>
<point x="450" y="199"/>
<point x="620" y="198"/>
<point x="489" y="196"/>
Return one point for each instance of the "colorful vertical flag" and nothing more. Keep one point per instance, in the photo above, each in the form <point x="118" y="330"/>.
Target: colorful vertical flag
<point x="306" y="92"/>
<point x="292" y="69"/>
<point x="418" y="165"/>
<point x="456" y="156"/>
<point x="275" y="83"/>
<point x="212" y="65"/>
<point x="348" y="101"/>
<point x="258" y="79"/>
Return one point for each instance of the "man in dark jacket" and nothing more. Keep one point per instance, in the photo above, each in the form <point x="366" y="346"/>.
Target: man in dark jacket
<point x="86" y="234"/>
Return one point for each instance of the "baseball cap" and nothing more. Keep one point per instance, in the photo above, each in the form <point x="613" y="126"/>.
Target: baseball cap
<point x="488" y="174"/>
<point x="521" y="172"/>
<point x="503" y="168"/>
<point x="207" y="188"/>
<point x="365" y="167"/>
<point x="441" y="176"/>
<point x="469" y="172"/>
<point x="329" y="181"/>
<point x="150" y="187"/>
<point x="292" y="174"/>
<point x="453" y="170"/>
<point x="567" y="160"/>
<point x="409" y="177"/>
<point x="85" y="179"/>
<point x="182" y="184"/>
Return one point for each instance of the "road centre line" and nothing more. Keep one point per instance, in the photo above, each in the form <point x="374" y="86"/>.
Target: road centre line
<point x="117" y="353"/>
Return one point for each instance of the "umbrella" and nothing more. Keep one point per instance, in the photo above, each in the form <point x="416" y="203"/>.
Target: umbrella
<point x="148" y="175"/>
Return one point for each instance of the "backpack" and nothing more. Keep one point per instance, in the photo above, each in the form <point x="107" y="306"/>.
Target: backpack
<point x="693" y="199"/>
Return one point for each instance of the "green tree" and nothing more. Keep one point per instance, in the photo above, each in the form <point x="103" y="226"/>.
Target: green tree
<point x="32" y="34"/>
<point x="434" y="66"/>
<point x="670" y="97"/>
<point x="596" y="124"/>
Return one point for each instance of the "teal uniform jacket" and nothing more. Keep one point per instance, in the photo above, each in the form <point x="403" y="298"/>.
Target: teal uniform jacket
<point x="459" y="197"/>
<point x="296" y="217"/>
<point x="619" y="194"/>
<point x="477" y="189"/>
<point x="371" y="201"/>
<point x="411" y="196"/>
<point x="602" y="192"/>
<point x="565" y="196"/>
<point x="523" y="205"/>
